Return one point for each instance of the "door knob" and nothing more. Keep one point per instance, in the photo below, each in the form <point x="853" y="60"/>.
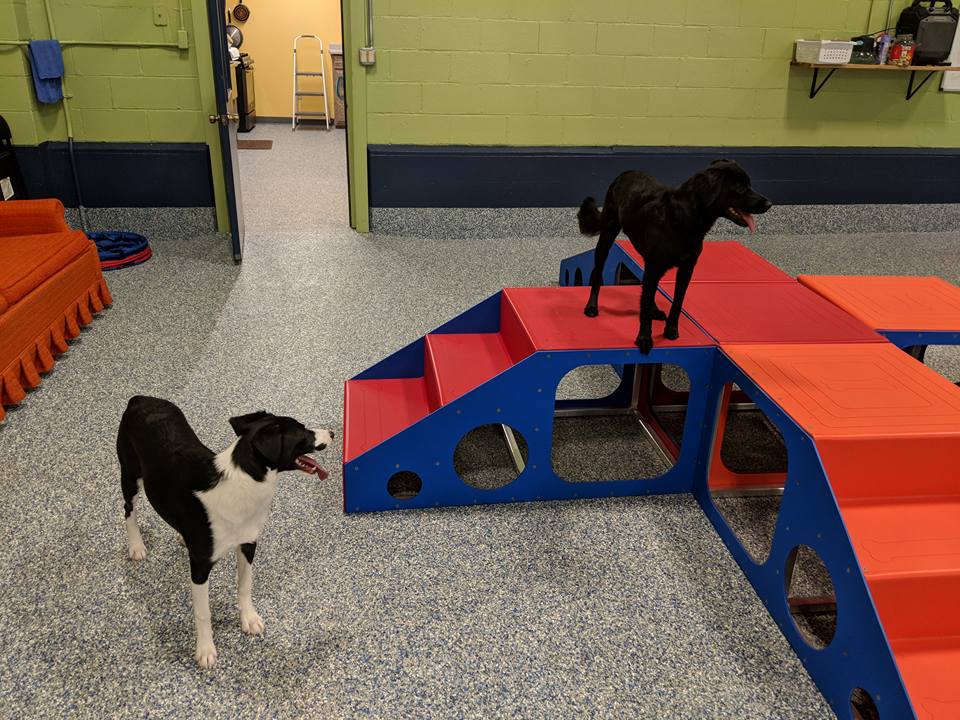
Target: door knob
<point x="223" y="119"/>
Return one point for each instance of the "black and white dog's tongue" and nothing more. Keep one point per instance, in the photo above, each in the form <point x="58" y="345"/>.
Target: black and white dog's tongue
<point x="311" y="467"/>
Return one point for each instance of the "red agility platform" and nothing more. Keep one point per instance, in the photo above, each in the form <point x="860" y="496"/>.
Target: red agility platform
<point x="872" y="437"/>
<point x="892" y="302"/>
<point x="530" y="320"/>
<point x="721" y="261"/>
<point x="887" y="429"/>
<point x="745" y="312"/>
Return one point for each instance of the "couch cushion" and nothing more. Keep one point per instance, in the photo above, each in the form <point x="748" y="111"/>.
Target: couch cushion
<point x="27" y="261"/>
<point x="25" y="217"/>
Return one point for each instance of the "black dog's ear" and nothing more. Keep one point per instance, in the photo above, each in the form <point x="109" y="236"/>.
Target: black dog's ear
<point x="707" y="185"/>
<point x="268" y="442"/>
<point x="241" y="423"/>
<point x="723" y="164"/>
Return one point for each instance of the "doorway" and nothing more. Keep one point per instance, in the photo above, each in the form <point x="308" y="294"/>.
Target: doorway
<point x="283" y="134"/>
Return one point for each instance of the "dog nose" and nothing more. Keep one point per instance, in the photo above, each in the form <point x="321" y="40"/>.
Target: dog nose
<point x="332" y="436"/>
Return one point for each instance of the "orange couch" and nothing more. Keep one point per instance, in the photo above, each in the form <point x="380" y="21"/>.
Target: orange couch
<point x="50" y="286"/>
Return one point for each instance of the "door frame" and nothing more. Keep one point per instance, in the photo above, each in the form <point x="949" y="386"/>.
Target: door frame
<point x="216" y="10"/>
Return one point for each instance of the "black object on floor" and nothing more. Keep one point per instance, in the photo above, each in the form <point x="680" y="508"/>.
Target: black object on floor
<point x="11" y="181"/>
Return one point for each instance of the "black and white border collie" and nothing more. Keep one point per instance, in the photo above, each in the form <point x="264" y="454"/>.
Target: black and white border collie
<point x="216" y="502"/>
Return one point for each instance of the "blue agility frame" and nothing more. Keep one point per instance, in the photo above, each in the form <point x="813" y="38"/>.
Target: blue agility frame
<point x="523" y="398"/>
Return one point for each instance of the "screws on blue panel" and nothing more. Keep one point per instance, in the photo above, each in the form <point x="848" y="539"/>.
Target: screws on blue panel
<point x="498" y="409"/>
<point x="458" y="412"/>
<point x="437" y="463"/>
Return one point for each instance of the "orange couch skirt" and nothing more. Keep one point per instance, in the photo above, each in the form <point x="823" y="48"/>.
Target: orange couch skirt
<point x="36" y="329"/>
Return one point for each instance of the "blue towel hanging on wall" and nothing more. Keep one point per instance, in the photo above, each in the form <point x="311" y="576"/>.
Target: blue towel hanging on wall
<point x="46" y="61"/>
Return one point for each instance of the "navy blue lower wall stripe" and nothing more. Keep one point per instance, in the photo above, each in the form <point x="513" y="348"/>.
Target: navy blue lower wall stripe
<point x="120" y="174"/>
<point x="468" y="176"/>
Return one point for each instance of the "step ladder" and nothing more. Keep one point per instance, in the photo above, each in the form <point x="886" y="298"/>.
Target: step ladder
<point x="298" y="94"/>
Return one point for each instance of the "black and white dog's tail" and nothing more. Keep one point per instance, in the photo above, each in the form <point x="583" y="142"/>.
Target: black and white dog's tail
<point x="589" y="217"/>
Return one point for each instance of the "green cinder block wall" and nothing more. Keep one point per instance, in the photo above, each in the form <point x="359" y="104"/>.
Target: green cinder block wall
<point x="118" y="94"/>
<point x="623" y="72"/>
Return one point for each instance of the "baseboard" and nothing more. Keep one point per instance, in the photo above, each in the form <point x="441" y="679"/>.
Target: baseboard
<point x="116" y="175"/>
<point x="405" y="176"/>
<point x="154" y="223"/>
<point x="474" y="223"/>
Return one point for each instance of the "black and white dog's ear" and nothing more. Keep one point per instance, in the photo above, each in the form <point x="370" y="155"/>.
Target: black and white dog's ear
<point x="268" y="442"/>
<point x="242" y="423"/>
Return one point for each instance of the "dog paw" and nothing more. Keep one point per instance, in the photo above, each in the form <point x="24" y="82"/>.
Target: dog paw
<point x="591" y="311"/>
<point x="645" y="343"/>
<point x="671" y="332"/>
<point x="181" y="540"/>
<point x="206" y="655"/>
<point x="137" y="552"/>
<point x="250" y="622"/>
<point x="659" y="314"/>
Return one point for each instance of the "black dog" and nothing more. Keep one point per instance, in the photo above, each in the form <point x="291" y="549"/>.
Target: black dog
<point x="667" y="228"/>
<point x="217" y="502"/>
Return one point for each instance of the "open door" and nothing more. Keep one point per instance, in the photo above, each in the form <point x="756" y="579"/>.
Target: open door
<point x="227" y="118"/>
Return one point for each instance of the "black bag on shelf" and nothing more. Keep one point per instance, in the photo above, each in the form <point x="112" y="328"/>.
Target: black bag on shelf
<point x="932" y="28"/>
<point x="11" y="182"/>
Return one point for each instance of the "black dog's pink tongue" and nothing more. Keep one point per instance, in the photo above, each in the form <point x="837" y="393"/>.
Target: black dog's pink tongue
<point x="751" y="222"/>
<point x="311" y="467"/>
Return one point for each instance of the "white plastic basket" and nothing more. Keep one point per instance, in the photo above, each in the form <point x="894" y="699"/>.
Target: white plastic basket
<point x="829" y="52"/>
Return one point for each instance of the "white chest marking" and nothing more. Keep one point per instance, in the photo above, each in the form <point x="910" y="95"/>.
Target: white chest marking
<point x="237" y="506"/>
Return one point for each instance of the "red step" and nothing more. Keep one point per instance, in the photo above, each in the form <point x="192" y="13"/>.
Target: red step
<point x="456" y="364"/>
<point x="929" y="669"/>
<point x="723" y="261"/>
<point x="378" y="409"/>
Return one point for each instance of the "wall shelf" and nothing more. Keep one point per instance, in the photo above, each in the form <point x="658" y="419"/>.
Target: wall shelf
<point x="912" y="89"/>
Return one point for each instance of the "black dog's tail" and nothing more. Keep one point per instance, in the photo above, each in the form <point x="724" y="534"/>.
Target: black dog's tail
<point x="589" y="217"/>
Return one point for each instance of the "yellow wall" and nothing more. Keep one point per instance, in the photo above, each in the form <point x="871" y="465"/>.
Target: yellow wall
<point x="268" y="37"/>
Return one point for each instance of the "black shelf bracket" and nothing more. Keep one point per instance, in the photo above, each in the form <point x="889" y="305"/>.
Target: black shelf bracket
<point x="814" y="88"/>
<point x="911" y="90"/>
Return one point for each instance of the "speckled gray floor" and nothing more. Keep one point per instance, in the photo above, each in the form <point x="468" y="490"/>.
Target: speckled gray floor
<point x="620" y="608"/>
